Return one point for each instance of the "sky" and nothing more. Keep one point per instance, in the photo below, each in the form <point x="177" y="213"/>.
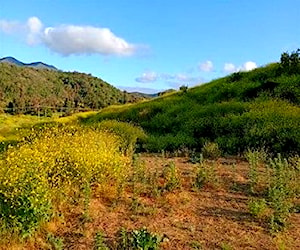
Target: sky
<point x="150" y="46"/>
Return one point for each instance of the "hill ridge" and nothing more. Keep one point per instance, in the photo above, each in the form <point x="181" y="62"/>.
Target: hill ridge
<point x="244" y="110"/>
<point x="12" y="60"/>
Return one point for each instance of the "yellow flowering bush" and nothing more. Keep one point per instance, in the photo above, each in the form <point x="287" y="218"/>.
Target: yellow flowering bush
<point x="52" y="163"/>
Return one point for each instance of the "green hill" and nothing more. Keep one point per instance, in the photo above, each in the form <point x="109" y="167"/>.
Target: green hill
<point x="243" y="110"/>
<point x="27" y="90"/>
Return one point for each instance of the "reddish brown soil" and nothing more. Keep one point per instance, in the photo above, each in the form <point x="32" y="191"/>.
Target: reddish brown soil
<point x="214" y="217"/>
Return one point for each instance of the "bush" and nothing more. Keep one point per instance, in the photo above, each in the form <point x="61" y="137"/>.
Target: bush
<point x="257" y="207"/>
<point x="205" y="174"/>
<point x="130" y="135"/>
<point x="282" y="189"/>
<point x="211" y="150"/>
<point x="139" y="239"/>
<point x="172" y="177"/>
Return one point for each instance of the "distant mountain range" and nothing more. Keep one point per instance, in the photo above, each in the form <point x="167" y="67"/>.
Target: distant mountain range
<point x="38" y="65"/>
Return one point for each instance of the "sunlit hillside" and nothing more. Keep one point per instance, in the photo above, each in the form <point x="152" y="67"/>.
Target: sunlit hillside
<point x="244" y="110"/>
<point x="27" y="90"/>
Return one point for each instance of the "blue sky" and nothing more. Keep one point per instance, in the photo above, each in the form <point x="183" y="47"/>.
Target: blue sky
<point x="150" y="45"/>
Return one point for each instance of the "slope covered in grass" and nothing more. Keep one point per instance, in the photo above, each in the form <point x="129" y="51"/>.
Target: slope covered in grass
<point x="246" y="109"/>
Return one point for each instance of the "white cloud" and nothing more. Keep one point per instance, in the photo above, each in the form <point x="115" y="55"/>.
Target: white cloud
<point x="206" y="66"/>
<point x="71" y="39"/>
<point x="176" y="80"/>
<point x="147" y="77"/>
<point x="229" y="67"/>
<point x="34" y="25"/>
<point x="247" y="66"/>
<point x="9" y="27"/>
<point x="173" y="80"/>
<point x="34" y="28"/>
<point x="141" y="89"/>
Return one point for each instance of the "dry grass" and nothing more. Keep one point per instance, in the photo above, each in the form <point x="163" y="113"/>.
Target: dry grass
<point x="213" y="217"/>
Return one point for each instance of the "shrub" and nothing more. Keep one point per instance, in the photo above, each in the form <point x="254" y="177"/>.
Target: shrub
<point x="130" y="135"/>
<point x="255" y="158"/>
<point x="56" y="243"/>
<point x="172" y="177"/>
<point x="99" y="242"/>
<point x="281" y="192"/>
<point x="211" y="150"/>
<point x="205" y="174"/>
<point x="139" y="239"/>
<point x="257" y="207"/>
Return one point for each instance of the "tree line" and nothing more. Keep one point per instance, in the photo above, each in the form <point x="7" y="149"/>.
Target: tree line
<point x="42" y="92"/>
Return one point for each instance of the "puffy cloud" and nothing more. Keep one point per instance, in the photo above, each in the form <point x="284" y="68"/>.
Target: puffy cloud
<point x="247" y="66"/>
<point x="34" y="28"/>
<point x="206" y="66"/>
<point x="147" y="77"/>
<point x="68" y="40"/>
<point x="71" y="39"/>
<point x="34" y="25"/>
<point x="229" y="67"/>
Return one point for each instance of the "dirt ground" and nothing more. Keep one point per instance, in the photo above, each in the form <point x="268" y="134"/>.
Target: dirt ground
<point x="214" y="217"/>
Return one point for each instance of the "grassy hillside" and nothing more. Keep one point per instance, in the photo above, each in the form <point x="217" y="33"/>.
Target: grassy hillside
<point x="26" y="90"/>
<point x="244" y="110"/>
<point x="64" y="185"/>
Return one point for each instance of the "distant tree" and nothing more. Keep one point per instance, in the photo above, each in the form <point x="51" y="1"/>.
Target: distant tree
<point x="290" y="63"/>
<point x="10" y="108"/>
<point x="125" y="99"/>
<point x="183" y="88"/>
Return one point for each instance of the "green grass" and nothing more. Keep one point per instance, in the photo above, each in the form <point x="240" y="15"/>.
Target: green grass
<point x="244" y="110"/>
<point x="13" y="128"/>
<point x="10" y="123"/>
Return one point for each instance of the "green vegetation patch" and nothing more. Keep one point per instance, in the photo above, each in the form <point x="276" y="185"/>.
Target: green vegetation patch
<point x="244" y="110"/>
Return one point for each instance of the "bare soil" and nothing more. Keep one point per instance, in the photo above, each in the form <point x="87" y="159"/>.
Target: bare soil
<point x="214" y="217"/>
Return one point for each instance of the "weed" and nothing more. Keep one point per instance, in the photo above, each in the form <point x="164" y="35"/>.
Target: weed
<point x="153" y="184"/>
<point x="281" y="192"/>
<point x="139" y="239"/>
<point x="255" y="158"/>
<point x="99" y="242"/>
<point x="172" y="177"/>
<point x="139" y="169"/>
<point x="226" y="246"/>
<point x="195" y="158"/>
<point x="87" y="200"/>
<point x="137" y="182"/>
<point x="205" y="174"/>
<point x="196" y="245"/>
<point x="257" y="207"/>
<point x="55" y="242"/>
<point x="211" y="150"/>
